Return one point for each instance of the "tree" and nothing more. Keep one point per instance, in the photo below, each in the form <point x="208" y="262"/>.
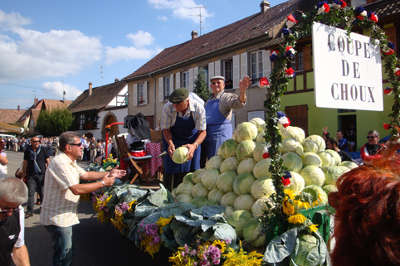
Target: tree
<point x="54" y="123"/>
<point x="201" y="88"/>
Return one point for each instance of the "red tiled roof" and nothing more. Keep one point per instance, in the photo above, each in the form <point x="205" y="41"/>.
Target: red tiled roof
<point x="99" y="99"/>
<point x="10" y="116"/>
<point x="249" y="28"/>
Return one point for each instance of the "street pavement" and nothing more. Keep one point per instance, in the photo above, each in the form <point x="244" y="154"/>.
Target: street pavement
<point x="95" y="244"/>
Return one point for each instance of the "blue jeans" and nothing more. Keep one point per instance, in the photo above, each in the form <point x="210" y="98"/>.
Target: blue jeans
<point x="62" y="244"/>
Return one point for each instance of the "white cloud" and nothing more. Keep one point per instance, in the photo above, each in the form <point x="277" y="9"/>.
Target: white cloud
<point x="12" y="20"/>
<point x="141" y="38"/>
<point x="184" y="9"/>
<point x="162" y="18"/>
<point x="56" y="89"/>
<point x="29" y="54"/>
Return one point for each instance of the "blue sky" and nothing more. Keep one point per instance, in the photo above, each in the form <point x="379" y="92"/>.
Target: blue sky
<point x="50" y="46"/>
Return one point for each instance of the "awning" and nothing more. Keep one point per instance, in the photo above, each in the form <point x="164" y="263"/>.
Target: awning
<point x="5" y="128"/>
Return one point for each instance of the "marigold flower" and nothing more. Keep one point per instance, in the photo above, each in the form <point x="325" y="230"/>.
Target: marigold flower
<point x="313" y="228"/>
<point x="297" y="219"/>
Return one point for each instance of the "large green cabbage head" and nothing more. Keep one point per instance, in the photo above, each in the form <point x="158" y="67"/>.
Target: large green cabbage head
<point x="292" y="145"/>
<point x="187" y="198"/>
<point x="245" y="149"/>
<point x="214" y="162"/>
<point x="242" y="183"/>
<point x="262" y="188"/>
<point x="318" y="140"/>
<point x="311" y="158"/>
<point x="238" y="220"/>
<point x="215" y="195"/>
<point x="326" y="159"/>
<point x="184" y="188"/>
<point x="259" y="122"/>
<point x="261" y="169"/>
<point x="243" y="202"/>
<point x="246" y="166"/>
<point x="335" y="155"/>
<point x="332" y="173"/>
<point x="196" y="177"/>
<point x="228" y="164"/>
<point x="246" y="131"/>
<point x="180" y="155"/>
<point x="228" y="199"/>
<point x="227" y="148"/>
<point x="199" y="190"/>
<point x="252" y="230"/>
<point x="313" y="175"/>
<point x="188" y="178"/>
<point x="225" y="180"/>
<point x="308" y="251"/>
<point x="291" y="132"/>
<point x="209" y="178"/>
<point x="292" y="161"/>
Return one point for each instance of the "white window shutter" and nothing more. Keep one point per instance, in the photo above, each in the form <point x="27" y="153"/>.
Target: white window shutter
<point x="145" y="88"/>
<point x="236" y="70"/>
<point x="266" y="63"/>
<point x="243" y="65"/>
<point x="217" y="68"/>
<point x="210" y="72"/>
<point x="190" y="87"/>
<point x="195" y="73"/>
<point x="178" y="80"/>
<point x="171" y="83"/>
<point x="134" y="98"/>
<point x="161" y="89"/>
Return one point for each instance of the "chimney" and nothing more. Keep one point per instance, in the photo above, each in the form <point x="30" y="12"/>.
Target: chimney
<point x="18" y="107"/>
<point x="194" y="34"/>
<point x="35" y="101"/>
<point x="116" y="80"/>
<point x="265" y="5"/>
<point x="90" y="89"/>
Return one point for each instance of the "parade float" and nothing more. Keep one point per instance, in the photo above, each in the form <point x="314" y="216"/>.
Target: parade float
<point x="263" y="199"/>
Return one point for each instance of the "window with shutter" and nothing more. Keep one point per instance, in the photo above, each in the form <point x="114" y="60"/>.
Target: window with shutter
<point x="140" y="98"/>
<point x="184" y="79"/>
<point x="227" y="72"/>
<point x="255" y="66"/>
<point x="203" y="71"/>
<point x="166" y="88"/>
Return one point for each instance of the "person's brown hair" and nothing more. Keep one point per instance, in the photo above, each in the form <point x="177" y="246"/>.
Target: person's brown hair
<point x="67" y="138"/>
<point x="367" y="218"/>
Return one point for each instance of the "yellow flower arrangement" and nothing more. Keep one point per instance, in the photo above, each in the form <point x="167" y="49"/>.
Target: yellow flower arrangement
<point x="297" y="219"/>
<point x="233" y="258"/>
<point x="287" y="207"/>
<point x="220" y="244"/>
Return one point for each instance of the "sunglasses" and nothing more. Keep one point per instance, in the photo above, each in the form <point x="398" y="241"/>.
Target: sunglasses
<point x="371" y="137"/>
<point x="6" y="210"/>
<point x="76" y="144"/>
<point x="35" y="141"/>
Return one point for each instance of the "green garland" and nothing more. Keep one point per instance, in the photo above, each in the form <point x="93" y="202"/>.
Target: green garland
<point x="348" y="19"/>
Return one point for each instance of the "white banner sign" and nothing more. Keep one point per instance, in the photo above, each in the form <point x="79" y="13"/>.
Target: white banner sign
<point x="347" y="71"/>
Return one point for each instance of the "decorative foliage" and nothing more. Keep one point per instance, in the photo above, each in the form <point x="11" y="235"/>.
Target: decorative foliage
<point x="53" y="123"/>
<point x="298" y="26"/>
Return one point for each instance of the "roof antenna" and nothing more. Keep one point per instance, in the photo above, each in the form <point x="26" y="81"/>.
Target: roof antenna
<point x="199" y="15"/>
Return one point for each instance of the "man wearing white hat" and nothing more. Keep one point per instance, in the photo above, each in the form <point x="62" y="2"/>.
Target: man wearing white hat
<point x="219" y="112"/>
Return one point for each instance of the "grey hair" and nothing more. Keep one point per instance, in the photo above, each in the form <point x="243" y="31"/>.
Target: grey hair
<point x="374" y="132"/>
<point x="13" y="190"/>
<point x="67" y="138"/>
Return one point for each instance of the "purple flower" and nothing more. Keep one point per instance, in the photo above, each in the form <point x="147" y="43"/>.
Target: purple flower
<point x="124" y="206"/>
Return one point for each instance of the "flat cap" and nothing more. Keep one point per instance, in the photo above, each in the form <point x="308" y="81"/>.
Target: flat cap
<point x="218" y="77"/>
<point x="178" y="95"/>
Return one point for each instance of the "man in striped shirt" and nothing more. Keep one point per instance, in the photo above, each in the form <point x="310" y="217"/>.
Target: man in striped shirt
<point x="61" y="194"/>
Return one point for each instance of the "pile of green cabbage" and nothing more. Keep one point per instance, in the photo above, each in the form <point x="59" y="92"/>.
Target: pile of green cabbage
<point x="238" y="176"/>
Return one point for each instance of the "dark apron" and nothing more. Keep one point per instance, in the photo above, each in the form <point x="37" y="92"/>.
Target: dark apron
<point x="183" y="132"/>
<point x="219" y="129"/>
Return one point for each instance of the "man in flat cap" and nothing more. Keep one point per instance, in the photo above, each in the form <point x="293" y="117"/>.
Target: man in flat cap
<point x="219" y="112"/>
<point x="183" y="123"/>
